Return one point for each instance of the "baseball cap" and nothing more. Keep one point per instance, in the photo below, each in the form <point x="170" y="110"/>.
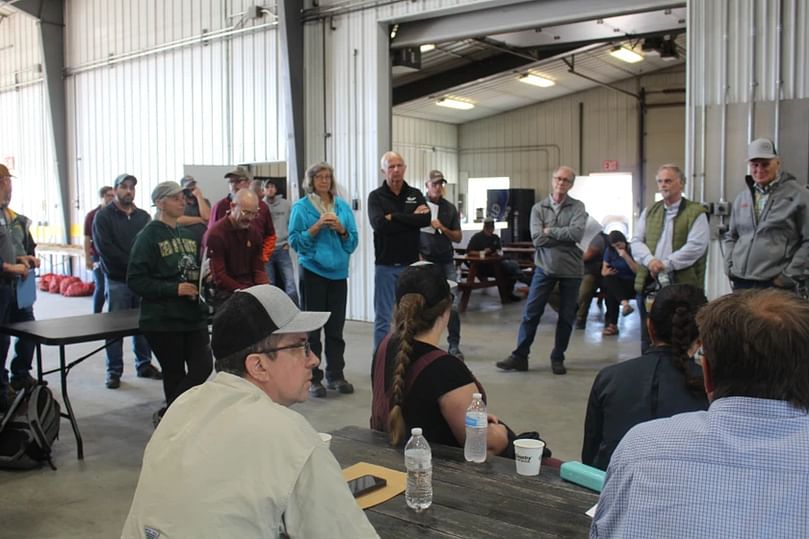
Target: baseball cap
<point x="427" y="280"/>
<point x="761" y="148"/>
<point x="436" y="176"/>
<point x="239" y="172"/>
<point x="4" y="172"/>
<point x="255" y="313"/>
<point x="123" y="177"/>
<point x="187" y="182"/>
<point x="165" y="189"/>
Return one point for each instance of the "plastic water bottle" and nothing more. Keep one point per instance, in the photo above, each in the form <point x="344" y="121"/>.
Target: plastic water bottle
<point x="474" y="449"/>
<point x="418" y="461"/>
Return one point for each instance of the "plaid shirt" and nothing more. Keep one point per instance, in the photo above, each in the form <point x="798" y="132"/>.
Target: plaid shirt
<point x="761" y="194"/>
<point x="741" y="469"/>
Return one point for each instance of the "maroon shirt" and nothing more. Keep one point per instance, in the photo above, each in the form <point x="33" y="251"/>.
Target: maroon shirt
<point x="262" y="223"/>
<point x="235" y="255"/>
<point x="88" y="230"/>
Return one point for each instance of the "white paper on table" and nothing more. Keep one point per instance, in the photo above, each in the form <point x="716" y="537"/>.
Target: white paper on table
<point x="433" y="215"/>
<point x="592" y="511"/>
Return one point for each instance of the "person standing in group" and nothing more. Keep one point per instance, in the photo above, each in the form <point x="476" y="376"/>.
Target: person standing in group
<point x="397" y="212"/>
<point x="114" y="231"/>
<point x="767" y="243"/>
<point x="323" y="233"/>
<point x="164" y="270"/>
<point x="279" y="267"/>
<point x="91" y="260"/>
<point x="436" y="247"/>
<point x="17" y="250"/>
<point x="670" y="240"/>
<point x="557" y="225"/>
<point x="234" y="248"/>
<point x="239" y="179"/>
<point x="197" y="209"/>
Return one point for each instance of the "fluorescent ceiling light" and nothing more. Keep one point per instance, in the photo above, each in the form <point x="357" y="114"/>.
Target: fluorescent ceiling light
<point x="454" y="103"/>
<point x="427" y="47"/>
<point x="626" y="55"/>
<point x="536" y="80"/>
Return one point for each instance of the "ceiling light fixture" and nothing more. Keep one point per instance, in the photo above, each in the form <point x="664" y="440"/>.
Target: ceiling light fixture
<point x="452" y="103"/>
<point x="536" y="80"/>
<point x="427" y="47"/>
<point x="626" y="55"/>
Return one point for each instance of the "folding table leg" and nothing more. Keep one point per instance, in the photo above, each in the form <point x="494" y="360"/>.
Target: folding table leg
<point x="70" y="415"/>
<point x="39" y="363"/>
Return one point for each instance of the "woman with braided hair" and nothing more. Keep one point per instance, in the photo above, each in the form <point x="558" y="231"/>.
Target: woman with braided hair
<point x="664" y="381"/>
<point x="415" y="383"/>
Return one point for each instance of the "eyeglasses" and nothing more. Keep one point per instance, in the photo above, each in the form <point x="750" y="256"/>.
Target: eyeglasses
<point x="307" y="348"/>
<point x="562" y="179"/>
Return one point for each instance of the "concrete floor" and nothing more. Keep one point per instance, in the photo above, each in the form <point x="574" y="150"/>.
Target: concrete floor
<point x="90" y="498"/>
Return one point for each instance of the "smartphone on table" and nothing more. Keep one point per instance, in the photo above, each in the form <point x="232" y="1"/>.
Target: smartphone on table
<point x="365" y="484"/>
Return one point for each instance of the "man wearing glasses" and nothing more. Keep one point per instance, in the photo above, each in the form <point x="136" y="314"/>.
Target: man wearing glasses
<point x="234" y="248"/>
<point x="767" y="244"/>
<point x="557" y="225"/>
<point x="670" y="242"/>
<point x="229" y="458"/>
<point x="238" y="179"/>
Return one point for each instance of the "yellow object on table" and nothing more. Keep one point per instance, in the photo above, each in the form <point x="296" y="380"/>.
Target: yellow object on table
<point x="396" y="483"/>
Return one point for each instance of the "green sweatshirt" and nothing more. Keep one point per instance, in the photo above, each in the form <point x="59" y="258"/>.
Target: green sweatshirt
<point x="161" y="258"/>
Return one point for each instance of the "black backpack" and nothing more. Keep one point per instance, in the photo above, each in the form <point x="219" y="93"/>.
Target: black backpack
<point x="28" y="429"/>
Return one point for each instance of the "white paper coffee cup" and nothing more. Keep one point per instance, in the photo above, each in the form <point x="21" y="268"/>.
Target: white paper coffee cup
<point x="528" y="456"/>
<point x="326" y="437"/>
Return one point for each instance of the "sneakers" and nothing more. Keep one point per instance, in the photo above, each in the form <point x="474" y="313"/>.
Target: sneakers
<point x="455" y="351"/>
<point x="20" y="383"/>
<point x="627" y="309"/>
<point x="558" y="367"/>
<point x="150" y="371"/>
<point x="341" y="385"/>
<point x="112" y="381"/>
<point x="513" y="363"/>
<point x="317" y="390"/>
<point x="610" y="330"/>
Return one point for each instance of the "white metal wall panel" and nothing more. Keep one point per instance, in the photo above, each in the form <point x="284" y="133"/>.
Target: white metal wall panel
<point x="20" y="52"/>
<point x="426" y="146"/>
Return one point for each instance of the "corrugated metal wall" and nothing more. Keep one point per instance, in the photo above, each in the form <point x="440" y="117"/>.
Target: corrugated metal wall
<point x="738" y="52"/>
<point x="426" y="146"/>
<point x="24" y="146"/>
<point x="168" y="96"/>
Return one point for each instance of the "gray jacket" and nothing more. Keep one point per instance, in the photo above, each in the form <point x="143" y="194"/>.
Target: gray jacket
<point x="557" y="251"/>
<point x="779" y="243"/>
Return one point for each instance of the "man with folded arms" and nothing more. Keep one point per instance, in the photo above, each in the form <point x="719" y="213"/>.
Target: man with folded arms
<point x="739" y="469"/>
<point x="229" y="458"/>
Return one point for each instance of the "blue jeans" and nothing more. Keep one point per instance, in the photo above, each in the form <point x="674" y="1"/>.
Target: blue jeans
<point x="100" y="288"/>
<point x="280" y="265"/>
<point x="541" y="287"/>
<point x="385" y="278"/>
<point x="120" y="298"/>
<point x="24" y="349"/>
<point x="454" y="326"/>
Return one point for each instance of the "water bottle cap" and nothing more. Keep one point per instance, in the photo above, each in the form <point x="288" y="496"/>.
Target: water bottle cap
<point x="477" y="396"/>
<point x="415" y="431"/>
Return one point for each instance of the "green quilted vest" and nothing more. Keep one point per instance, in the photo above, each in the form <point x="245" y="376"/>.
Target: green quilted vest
<point x="686" y="215"/>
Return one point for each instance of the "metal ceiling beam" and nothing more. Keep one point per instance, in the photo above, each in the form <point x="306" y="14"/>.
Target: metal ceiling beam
<point x="515" y="17"/>
<point x="50" y="14"/>
<point x="487" y="67"/>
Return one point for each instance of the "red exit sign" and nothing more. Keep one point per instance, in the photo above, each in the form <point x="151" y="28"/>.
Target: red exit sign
<point x="609" y="165"/>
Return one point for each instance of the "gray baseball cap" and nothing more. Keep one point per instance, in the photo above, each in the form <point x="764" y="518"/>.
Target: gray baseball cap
<point x="761" y="148"/>
<point x="165" y="189"/>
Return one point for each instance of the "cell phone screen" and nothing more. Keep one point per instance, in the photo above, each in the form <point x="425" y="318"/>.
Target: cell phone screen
<point x="365" y="484"/>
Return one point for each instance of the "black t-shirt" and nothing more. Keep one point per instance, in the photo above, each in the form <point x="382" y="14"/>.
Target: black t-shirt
<point x="481" y="241"/>
<point x="421" y="408"/>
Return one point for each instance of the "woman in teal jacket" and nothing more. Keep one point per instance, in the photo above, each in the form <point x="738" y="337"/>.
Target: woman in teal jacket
<point x="323" y="233"/>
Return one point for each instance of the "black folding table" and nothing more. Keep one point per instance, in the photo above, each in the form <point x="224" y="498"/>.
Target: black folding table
<point x="74" y="330"/>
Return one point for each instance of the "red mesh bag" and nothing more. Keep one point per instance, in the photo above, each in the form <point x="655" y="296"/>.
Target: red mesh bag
<point x="79" y="288"/>
<point x="53" y="286"/>
<point x="67" y="281"/>
<point x="45" y="282"/>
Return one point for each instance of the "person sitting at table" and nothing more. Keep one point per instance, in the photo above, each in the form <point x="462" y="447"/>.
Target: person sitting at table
<point x="230" y="458"/>
<point x="486" y="242"/>
<point x="415" y="383"/>
<point x="618" y="270"/>
<point x="662" y="382"/>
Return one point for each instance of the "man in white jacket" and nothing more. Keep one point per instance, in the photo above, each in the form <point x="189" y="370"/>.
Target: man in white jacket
<point x="229" y="458"/>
